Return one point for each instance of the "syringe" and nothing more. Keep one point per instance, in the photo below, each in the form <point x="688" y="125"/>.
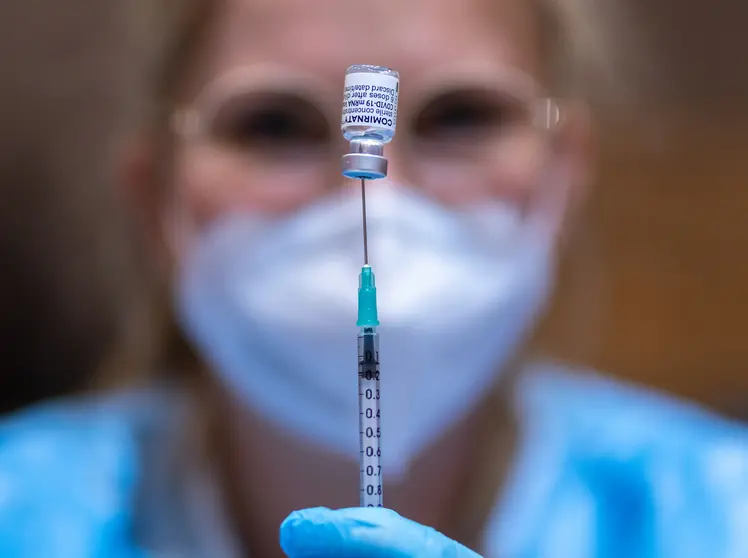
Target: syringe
<point x="369" y="414"/>
<point x="368" y="123"/>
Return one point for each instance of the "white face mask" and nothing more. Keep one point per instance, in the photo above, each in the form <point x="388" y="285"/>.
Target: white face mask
<point x="272" y="307"/>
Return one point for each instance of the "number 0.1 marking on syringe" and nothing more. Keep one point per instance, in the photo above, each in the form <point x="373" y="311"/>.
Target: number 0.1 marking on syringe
<point x="369" y="419"/>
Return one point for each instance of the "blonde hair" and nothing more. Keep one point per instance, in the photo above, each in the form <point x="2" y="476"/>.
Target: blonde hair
<point x="586" y="55"/>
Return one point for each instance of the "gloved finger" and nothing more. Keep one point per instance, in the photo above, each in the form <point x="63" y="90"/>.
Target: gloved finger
<point x="364" y="533"/>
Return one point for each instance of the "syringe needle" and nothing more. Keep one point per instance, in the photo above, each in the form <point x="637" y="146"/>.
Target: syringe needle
<point x="363" y="207"/>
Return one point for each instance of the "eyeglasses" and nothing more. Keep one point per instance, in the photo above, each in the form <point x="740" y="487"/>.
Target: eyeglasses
<point x="266" y="124"/>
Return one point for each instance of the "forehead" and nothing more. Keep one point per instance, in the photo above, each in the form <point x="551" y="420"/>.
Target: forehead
<point x="415" y="37"/>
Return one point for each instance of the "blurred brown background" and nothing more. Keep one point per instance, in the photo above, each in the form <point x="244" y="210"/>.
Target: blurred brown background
<point x="656" y="285"/>
<point x="68" y="91"/>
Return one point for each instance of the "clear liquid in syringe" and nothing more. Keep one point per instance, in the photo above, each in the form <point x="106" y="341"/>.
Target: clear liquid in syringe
<point x="369" y="418"/>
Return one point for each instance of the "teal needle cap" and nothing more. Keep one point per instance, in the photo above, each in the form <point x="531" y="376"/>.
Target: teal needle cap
<point x="367" y="299"/>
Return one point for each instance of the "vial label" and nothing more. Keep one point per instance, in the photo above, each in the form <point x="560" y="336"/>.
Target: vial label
<point x="370" y="100"/>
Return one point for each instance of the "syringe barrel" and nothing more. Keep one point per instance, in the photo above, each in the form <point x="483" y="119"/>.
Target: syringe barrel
<point x="370" y="433"/>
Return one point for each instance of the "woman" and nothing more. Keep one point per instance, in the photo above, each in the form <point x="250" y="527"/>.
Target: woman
<point x="241" y="181"/>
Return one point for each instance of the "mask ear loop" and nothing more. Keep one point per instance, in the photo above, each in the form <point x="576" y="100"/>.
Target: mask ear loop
<point x="549" y="205"/>
<point x="178" y="227"/>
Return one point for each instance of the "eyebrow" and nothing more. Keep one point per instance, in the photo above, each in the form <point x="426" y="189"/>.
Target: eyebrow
<point x="256" y="77"/>
<point x="508" y="79"/>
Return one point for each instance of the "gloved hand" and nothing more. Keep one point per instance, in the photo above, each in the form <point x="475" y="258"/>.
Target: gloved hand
<point x="364" y="533"/>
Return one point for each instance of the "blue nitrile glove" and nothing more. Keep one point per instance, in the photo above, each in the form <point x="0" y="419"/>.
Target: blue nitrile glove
<point x="364" y="533"/>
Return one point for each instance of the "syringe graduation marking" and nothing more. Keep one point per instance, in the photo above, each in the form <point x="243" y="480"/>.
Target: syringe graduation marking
<point x="369" y="419"/>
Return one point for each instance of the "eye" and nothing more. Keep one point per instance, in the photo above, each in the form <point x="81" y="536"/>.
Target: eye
<point x="465" y="115"/>
<point x="273" y="124"/>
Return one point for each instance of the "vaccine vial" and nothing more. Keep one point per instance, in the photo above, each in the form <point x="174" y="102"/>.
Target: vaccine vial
<point x="369" y="119"/>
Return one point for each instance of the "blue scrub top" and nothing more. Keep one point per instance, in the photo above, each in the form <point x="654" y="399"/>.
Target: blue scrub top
<point x="604" y="470"/>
